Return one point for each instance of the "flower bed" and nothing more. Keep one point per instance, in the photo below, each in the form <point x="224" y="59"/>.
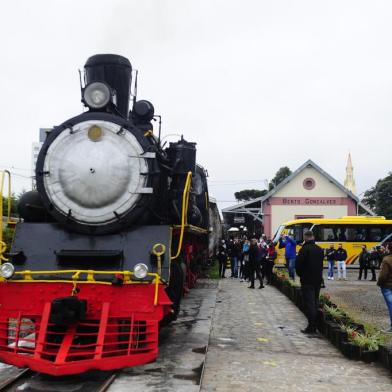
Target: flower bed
<point x="350" y="337"/>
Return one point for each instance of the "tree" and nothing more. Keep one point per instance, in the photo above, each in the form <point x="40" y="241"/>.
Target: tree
<point x="14" y="203"/>
<point x="249" y="194"/>
<point x="379" y="197"/>
<point x="280" y="175"/>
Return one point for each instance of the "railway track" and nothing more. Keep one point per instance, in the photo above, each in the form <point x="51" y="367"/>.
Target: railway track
<point x="29" y="381"/>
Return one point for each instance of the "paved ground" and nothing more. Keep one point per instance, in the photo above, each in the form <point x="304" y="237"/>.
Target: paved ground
<point x="182" y="348"/>
<point x="256" y="345"/>
<point x="362" y="299"/>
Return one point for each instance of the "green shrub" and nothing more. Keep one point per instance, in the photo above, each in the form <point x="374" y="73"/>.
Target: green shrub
<point x="8" y="235"/>
<point x="213" y="272"/>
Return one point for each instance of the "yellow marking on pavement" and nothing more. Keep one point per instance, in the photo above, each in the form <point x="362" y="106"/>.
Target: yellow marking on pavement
<point x="259" y="324"/>
<point x="262" y="340"/>
<point x="270" y="363"/>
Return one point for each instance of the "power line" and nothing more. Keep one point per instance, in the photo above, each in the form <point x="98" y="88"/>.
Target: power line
<point x="238" y="181"/>
<point x="14" y="168"/>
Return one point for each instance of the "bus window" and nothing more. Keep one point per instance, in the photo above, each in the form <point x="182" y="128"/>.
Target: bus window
<point x="299" y="231"/>
<point x="330" y="233"/>
<point x="357" y="233"/>
<point x="278" y="234"/>
<point x="388" y="230"/>
<point x="342" y="233"/>
<point x="375" y="234"/>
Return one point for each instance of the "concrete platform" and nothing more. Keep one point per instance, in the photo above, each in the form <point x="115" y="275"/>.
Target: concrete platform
<point x="182" y="349"/>
<point x="256" y="345"/>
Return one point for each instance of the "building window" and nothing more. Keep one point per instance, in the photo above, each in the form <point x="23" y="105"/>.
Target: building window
<point x="309" y="183"/>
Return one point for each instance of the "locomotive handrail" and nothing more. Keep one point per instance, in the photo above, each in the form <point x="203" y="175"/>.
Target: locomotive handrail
<point x="184" y="212"/>
<point x="3" y="245"/>
<point x="28" y="278"/>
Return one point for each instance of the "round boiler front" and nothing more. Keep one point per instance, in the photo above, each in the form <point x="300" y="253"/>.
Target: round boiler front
<point x="94" y="172"/>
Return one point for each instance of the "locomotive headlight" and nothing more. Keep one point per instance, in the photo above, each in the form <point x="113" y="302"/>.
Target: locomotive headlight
<point x="140" y="271"/>
<point x="7" y="270"/>
<point x="96" y="95"/>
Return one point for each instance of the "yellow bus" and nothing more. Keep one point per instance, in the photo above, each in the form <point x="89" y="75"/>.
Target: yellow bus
<point x="351" y="231"/>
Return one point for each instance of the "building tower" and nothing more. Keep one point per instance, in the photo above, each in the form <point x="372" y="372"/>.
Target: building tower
<point x="349" y="182"/>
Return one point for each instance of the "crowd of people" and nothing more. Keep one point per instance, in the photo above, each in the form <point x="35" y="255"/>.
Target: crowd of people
<point x="248" y="259"/>
<point x="255" y="259"/>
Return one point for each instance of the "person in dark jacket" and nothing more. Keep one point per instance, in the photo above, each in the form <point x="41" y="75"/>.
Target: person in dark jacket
<point x="290" y="246"/>
<point x="364" y="261"/>
<point x="309" y="267"/>
<point x="233" y="261"/>
<point x="373" y="263"/>
<point x="262" y="259"/>
<point x="245" y="261"/>
<point x="254" y="264"/>
<point x="330" y="255"/>
<point x="341" y="257"/>
<point x="236" y="255"/>
<point x="385" y="280"/>
<point x="222" y="258"/>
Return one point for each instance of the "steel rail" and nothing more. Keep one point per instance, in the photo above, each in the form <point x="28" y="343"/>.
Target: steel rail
<point x="26" y="374"/>
<point x="8" y="382"/>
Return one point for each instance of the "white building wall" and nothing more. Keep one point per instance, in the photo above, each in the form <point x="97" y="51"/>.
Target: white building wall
<point x="323" y="188"/>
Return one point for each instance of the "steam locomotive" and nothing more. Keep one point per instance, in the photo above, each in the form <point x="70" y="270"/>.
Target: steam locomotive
<point x="111" y="239"/>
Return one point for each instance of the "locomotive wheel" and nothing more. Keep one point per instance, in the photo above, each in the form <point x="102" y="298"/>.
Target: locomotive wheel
<point x="175" y="291"/>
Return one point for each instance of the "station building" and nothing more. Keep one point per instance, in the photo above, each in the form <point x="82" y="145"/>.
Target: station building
<point x="309" y="192"/>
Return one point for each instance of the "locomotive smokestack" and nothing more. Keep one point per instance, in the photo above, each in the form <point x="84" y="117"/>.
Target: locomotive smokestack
<point x="114" y="70"/>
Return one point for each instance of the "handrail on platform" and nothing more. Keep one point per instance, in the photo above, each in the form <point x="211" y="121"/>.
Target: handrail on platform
<point x="3" y="175"/>
<point x="27" y="276"/>
<point x="184" y="212"/>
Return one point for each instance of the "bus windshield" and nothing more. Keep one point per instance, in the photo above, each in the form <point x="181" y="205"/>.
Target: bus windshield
<point x="278" y="234"/>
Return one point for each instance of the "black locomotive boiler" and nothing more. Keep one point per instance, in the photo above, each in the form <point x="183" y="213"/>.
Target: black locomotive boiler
<point x="109" y="241"/>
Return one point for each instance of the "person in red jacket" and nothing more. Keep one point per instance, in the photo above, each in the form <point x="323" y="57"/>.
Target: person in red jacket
<point x="271" y="257"/>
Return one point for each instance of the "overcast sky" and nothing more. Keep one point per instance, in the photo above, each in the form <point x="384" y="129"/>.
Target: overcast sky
<point x="257" y="84"/>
